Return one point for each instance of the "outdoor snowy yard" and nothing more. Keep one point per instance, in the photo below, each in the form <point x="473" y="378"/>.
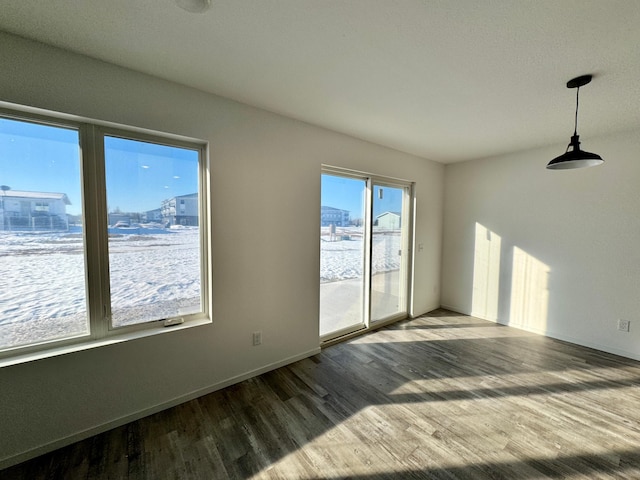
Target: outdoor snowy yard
<point x="153" y="276"/>
<point x="343" y="258"/>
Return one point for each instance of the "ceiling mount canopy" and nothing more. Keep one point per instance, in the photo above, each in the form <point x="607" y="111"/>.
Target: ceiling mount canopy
<point x="576" y="158"/>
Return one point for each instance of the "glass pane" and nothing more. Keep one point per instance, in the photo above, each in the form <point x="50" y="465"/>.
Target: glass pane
<point x="154" y="234"/>
<point x="341" y="253"/>
<point x="388" y="282"/>
<point x="43" y="297"/>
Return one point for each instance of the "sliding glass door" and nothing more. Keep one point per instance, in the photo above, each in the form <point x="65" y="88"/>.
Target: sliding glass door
<point x="389" y="252"/>
<point x="342" y="254"/>
<point x="364" y="251"/>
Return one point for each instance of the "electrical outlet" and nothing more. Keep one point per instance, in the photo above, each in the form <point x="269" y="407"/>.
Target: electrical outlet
<point x="623" y="325"/>
<point x="257" y="338"/>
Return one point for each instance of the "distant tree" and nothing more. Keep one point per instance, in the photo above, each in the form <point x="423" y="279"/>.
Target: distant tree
<point x="74" y="219"/>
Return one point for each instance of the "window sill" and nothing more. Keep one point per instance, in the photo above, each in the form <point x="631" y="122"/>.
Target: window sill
<point x="91" y="344"/>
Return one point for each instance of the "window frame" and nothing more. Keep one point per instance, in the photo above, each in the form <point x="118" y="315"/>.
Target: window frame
<point x="408" y="243"/>
<point x="91" y="135"/>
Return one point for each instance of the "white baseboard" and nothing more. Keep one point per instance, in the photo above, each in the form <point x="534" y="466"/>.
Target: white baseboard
<point x="68" y="440"/>
<point x="576" y="341"/>
<point x="453" y="308"/>
<point x="416" y="314"/>
<point x="557" y="336"/>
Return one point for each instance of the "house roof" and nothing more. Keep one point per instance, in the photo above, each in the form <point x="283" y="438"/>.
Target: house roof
<point x="324" y="207"/>
<point x="397" y="214"/>
<point x="188" y="195"/>
<point x="445" y="80"/>
<point x="36" y="195"/>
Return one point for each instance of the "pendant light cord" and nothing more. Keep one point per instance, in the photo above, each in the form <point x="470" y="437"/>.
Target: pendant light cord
<point x="575" y="129"/>
<point x="575" y="124"/>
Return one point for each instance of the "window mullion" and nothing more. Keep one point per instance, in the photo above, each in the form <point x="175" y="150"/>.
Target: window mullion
<point x="95" y="231"/>
<point x="204" y="187"/>
<point x="368" y="222"/>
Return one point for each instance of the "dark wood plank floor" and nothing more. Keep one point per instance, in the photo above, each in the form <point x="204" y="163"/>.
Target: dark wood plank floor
<point x="442" y="396"/>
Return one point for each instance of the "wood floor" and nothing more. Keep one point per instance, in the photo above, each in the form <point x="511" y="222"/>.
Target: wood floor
<point x="441" y="396"/>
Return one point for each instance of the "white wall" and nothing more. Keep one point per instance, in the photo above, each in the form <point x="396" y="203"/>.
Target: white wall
<point x="555" y="252"/>
<point x="266" y="267"/>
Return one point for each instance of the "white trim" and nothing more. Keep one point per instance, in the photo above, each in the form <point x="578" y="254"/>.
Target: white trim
<point x="405" y="274"/>
<point x="368" y="252"/>
<point x="89" y="344"/>
<point x="343" y="332"/>
<point x="454" y="309"/>
<point x="575" y="341"/>
<point x="7" y="462"/>
<point x="553" y="335"/>
<point x="347" y="172"/>
<point x="55" y="118"/>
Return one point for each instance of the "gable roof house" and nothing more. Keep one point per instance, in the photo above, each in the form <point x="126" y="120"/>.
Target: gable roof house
<point x="388" y="220"/>
<point x="465" y="101"/>
<point x="33" y="211"/>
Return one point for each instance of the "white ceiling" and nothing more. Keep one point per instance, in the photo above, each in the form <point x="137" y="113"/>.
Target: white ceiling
<point x="448" y="80"/>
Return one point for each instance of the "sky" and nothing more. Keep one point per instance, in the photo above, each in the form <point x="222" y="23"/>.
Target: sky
<point x="139" y="175"/>
<point x="349" y="193"/>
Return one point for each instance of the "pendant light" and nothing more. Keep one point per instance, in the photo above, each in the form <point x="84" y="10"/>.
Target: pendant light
<point x="576" y="158"/>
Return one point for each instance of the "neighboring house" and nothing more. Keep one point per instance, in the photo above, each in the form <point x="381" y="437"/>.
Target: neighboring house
<point x="389" y="220"/>
<point x="152" y="215"/>
<point x="20" y="210"/>
<point x="181" y="210"/>
<point x="121" y="218"/>
<point x="334" y="216"/>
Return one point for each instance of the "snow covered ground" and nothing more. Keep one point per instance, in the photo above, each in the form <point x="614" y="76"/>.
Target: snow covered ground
<point x="341" y="285"/>
<point x="342" y="256"/>
<point x="153" y="276"/>
<point x="154" y="273"/>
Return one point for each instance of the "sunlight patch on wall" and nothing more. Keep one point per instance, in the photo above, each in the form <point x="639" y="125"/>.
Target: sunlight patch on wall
<point x="529" y="292"/>
<point x="486" y="274"/>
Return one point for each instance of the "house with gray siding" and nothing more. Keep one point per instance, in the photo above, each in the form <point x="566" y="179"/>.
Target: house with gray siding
<point x="180" y="210"/>
<point x="35" y="211"/>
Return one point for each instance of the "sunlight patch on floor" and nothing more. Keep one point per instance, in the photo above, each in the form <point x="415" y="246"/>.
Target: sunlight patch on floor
<point x="436" y="440"/>
<point x="526" y="383"/>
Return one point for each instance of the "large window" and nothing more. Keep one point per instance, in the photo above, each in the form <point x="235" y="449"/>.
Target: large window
<point x="154" y="266"/>
<point x="42" y="265"/>
<point x="91" y="241"/>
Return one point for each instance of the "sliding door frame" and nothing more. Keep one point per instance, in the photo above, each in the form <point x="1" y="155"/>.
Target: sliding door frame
<point x="406" y="223"/>
<point x="407" y="245"/>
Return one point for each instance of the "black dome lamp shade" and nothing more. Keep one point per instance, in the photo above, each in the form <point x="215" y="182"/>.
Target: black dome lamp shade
<point x="575" y="158"/>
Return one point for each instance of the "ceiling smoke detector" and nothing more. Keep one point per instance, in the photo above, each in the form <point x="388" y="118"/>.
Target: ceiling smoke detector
<point x="194" y="6"/>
